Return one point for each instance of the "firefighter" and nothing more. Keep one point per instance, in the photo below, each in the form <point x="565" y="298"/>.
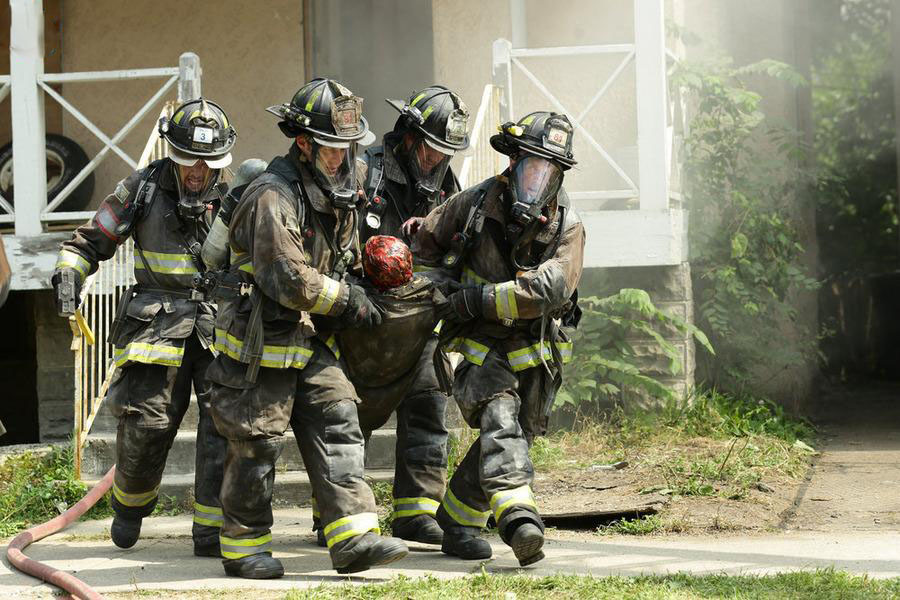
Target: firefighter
<point x="408" y="175"/>
<point x="295" y="249"/>
<point x="516" y="247"/>
<point x="163" y="329"/>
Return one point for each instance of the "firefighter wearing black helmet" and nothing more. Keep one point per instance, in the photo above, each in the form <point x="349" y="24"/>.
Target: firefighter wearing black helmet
<point x="515" y="247"/>
<point x="407" y="176"/>
<point x="163" y="329"/>
<point x="295" y="254"/>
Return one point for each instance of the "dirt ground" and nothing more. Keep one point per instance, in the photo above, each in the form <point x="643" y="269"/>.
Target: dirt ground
<point x="851" y="484"/>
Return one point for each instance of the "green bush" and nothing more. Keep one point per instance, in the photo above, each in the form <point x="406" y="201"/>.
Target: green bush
<point x="606" y="363"/>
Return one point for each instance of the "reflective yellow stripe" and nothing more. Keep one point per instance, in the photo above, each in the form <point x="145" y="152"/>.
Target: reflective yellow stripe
<point x="520" y="496"/>
<point x="471" y="277"/>
<point x="275" y="357"/>
<point x="472" y="351"/>
<point x="166" y="263"/>
<point x="208" y="515"/>
<point x="462" y="514"/>
<point x="417" y="98"/>
<point x="239" y="548"/>
<point x="135" y="500"/>
<point x="154" y="354"/>
<point x="423" y="268"/>
<point x="505" y="300"/>
<point x="530" y="356"/>
<point x="348" y="527"/>
<point x="325" y="301"/>
<point x="66" y="259"/>
<point x="332" y="344"/>
<point x="315" y="507"/>
<point x="410" y="507"/>
<point x="438" y="327"/>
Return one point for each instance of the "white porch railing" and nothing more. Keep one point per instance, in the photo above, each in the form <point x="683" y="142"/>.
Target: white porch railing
<point x="482" y="161"/>
<point x="652" y="230"/>
<point x="94" y="364"/>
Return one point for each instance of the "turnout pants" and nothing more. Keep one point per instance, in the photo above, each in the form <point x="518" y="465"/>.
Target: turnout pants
<point x="420" y="470"/>
<point x="496" y="474"/>
<point x="150" y="401"/>
<point x="319" y="402"/>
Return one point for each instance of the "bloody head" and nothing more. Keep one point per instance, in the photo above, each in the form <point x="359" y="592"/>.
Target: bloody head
<point x="387" y="261"/>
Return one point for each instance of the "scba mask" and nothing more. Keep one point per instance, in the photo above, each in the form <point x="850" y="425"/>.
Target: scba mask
<point x="428" y="164"/>
<point x="195" y="184"/>
<point x="534" y="182"/>
<point x="335" y="171"/>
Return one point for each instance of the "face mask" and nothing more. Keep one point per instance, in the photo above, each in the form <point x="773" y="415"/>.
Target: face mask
<point x="533" y="182"/>
<point x="194" y="186"/>
<point x="335" y="172"/>
<point x="428" y="166"/>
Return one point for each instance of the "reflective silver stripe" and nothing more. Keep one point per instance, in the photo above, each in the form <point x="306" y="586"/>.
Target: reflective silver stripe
<point x="520" y="496"/>
<point x="73" y="260"/>
<point x="410" y="507"/>
<point x="505" y="300"/>
<point x="239" y="548"/>
<point x="154" y="354"/>
<point x="347" y="527"/>
<point x="325" y="301"/>
<point x="276" y="357"/>
<point x="462" y="514"/>
<point x="473" y="351"/>
<point x="530" y="356"/>
<point x="134" y="499"/>
<point x="164" y="262"/>
<point x="208" y="515"/>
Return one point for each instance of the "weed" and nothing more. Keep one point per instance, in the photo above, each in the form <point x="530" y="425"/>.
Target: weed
<point x="35" y="488"/>
<point x="639" y="526"/>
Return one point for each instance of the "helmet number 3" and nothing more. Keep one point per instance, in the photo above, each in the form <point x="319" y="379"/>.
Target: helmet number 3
<point x="203" y="135"/>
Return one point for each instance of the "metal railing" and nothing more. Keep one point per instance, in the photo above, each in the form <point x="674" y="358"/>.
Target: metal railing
<point x="482" y="161"/>
<point x="94" y="364"/>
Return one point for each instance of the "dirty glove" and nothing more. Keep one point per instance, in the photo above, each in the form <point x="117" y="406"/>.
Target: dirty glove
<point x="360" y="311"/>
<point x="462" y="305"/>
<point x="66" y="290"/>
<point x="411" y="226"/>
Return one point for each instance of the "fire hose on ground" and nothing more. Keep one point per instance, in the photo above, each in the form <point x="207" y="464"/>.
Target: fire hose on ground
<point x="66" y="581"/>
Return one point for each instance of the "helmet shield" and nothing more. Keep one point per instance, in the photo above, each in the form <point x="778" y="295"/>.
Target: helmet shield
<point x="335" y="171"/>
<point x="194" y="185"/>
<point x="428" y="164"/>
<point x="533" y="183"/>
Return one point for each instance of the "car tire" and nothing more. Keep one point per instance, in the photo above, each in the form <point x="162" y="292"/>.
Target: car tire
<point x="65" y="159"/>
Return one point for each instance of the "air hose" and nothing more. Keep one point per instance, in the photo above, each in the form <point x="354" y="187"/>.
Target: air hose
<point x="66" y="581"/>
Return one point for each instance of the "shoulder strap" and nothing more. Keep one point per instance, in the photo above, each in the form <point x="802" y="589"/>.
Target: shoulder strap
<point x="463" y="241"/>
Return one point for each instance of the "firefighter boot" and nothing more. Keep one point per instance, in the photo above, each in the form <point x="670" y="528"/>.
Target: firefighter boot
<point x="420" y="528"/>
<point x="464" y="543"/>
<point x="526" y="541"/>
<point x="125" y="531"/>
<point x="362" y="552"/>
<point x="255" y="566"/>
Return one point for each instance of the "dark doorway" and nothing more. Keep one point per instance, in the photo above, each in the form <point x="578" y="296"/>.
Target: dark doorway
<point x="18" y="369"/>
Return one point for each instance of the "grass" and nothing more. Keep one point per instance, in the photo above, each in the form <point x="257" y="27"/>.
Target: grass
<point x="818" y="585"/>
<point x="709" y="445"/>
<point x="35" y="487"/>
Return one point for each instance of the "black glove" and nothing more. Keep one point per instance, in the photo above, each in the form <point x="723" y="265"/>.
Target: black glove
<point x="360" y="311"/>
<point x="462" y="305"/>
<point x="228" y="203"/>
<point x="67" y="291"/>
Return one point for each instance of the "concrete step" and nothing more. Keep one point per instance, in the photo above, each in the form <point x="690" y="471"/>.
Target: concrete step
<point x="100" y="453"/>
<point x="292" y="488"/>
